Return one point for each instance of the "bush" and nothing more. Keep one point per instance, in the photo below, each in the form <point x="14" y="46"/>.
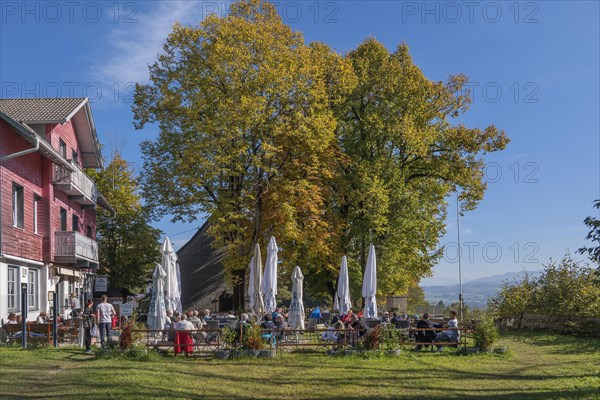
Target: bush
<point x="129" y="338"/>
<point x="486" y="334"/>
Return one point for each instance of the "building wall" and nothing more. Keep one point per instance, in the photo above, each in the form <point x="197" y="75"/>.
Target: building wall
<point x="23" y="249"/>
<point x="202" y="275"/>
<point x="25" y="171"/>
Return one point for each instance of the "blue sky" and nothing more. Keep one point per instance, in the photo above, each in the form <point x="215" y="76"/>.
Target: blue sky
<point x="533" y="67"/>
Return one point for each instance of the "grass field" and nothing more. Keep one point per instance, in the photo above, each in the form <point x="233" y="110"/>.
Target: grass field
<point x="539" y="366"/>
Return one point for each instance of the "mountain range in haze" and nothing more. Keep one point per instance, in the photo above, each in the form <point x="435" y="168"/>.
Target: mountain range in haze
<point x="475" y="292"/>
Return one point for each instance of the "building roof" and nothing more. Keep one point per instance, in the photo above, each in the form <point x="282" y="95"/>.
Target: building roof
<point x="60" y="111"/>
<point x="41" y="111"/>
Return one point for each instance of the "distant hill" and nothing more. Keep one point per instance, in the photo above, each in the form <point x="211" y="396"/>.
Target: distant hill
<point x="475" y="292"/>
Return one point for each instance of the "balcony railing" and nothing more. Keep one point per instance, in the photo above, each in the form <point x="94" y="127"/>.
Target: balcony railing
<point x="74" y="248"/>
<point x="76" y="184"/>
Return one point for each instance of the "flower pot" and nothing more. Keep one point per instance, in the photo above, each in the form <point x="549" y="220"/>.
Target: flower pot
<point x="472" y="350"/>
<point x="222" y="354"/>
<point x="267" y="353"/>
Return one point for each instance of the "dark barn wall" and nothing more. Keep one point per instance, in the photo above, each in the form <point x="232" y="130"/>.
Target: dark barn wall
<point x="202" y="275"/>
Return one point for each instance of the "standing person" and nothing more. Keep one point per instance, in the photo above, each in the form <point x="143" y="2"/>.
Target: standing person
<point x="88" y="322"/>
<point x="104" y="314"/>
<point x="75" y="305"/>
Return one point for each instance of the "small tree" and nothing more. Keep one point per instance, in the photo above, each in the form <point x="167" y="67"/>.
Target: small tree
<point x="594" y="236"/>
<point x="514" y="299"/>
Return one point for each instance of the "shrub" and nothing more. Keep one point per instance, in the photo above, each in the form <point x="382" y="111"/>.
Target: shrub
<point x="486" y="334"/>
<point x="128" y="337"/>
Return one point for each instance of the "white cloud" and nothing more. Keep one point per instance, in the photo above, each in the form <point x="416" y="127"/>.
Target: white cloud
<point x="130" y="48"/>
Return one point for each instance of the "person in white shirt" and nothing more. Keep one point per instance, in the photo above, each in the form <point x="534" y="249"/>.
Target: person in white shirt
<point x="104" y="313"/>
<point x="451" y="334"/>
<point x="184" y="324"/>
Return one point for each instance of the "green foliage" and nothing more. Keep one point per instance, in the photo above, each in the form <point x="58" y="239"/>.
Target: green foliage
<point x="565" y="288"/>
<point x="391" y="337"/>
<point x="405" y="157"/>
<point x="545" y="366"/>
<point x="594" y="236"/>
<point x="128" y="245"/>
<point x="269" y="135"/>
<point x="252" y="338"/>
<point x="485" y="334"/>
<point x="228" y="337"/>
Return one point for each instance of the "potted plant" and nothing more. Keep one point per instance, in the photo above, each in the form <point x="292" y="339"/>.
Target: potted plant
<point x="227" y="340"/>
<point x="485" y="335"/>
<point x="254" y="343"/>
<point x="391" y="339"/>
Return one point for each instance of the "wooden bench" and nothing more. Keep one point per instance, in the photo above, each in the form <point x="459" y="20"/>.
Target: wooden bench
<point x="12" y="331"/>
<point x="462" y="341"/>
<point x="36" y="332"/>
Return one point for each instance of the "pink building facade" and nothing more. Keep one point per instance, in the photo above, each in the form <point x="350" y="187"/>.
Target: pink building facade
<point x="47" y="203"/>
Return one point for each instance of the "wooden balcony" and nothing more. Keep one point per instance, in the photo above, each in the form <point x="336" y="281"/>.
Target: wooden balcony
<point x="80" y="187"/>
<point x="73" y="248"/>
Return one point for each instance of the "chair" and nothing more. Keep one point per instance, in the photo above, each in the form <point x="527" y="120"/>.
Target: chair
<point x="232" y="322"/>
<point x="403" y="324"/>
<point x="312" y="323"/>
<point x="372" y="323"/>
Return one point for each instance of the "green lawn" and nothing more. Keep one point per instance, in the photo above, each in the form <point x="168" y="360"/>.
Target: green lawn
<point x="540" y="366"/>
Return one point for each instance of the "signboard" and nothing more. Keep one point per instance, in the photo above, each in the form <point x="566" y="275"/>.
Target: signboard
<point x="127" y="309"/>
<point x="101" y="284"/>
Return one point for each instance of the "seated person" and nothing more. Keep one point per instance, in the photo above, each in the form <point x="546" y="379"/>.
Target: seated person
<point x="346" y="317"/>
<point x="385" y="318"/>
<point x="42" y="318"/>
<point x="424" y="336"/>
<point x="332" y="334"/>
<point x="193" y="318"/>
<point x="242" y="326"/>
<point x="183" y="340"/>
<point x="268" y="322"/>
<point x="280" y="326"/>
<point x="12" y="319"/>
<point x="451" y="334"/>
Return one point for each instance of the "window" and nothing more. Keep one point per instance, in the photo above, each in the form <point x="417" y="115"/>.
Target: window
<point x="75" y="223"/>
<point x="62" y="148"/>
<point x="36" y="202"/>
<point x="75" y="157"/>
<point x="18" y="209"/>
<point x="89" y="232"/>
<point x="12" y="288"/>
<point x="63" y="219"/>
<point x="32" y="289"/>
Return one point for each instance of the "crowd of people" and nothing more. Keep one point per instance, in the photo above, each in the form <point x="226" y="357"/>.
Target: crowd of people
<point x="97" y="322"/>
<point x="275" y="325"/>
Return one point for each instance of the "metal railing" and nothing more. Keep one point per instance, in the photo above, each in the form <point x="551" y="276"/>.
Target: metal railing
<point x="77" y="180"/>
<point x="70" y="245"/>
